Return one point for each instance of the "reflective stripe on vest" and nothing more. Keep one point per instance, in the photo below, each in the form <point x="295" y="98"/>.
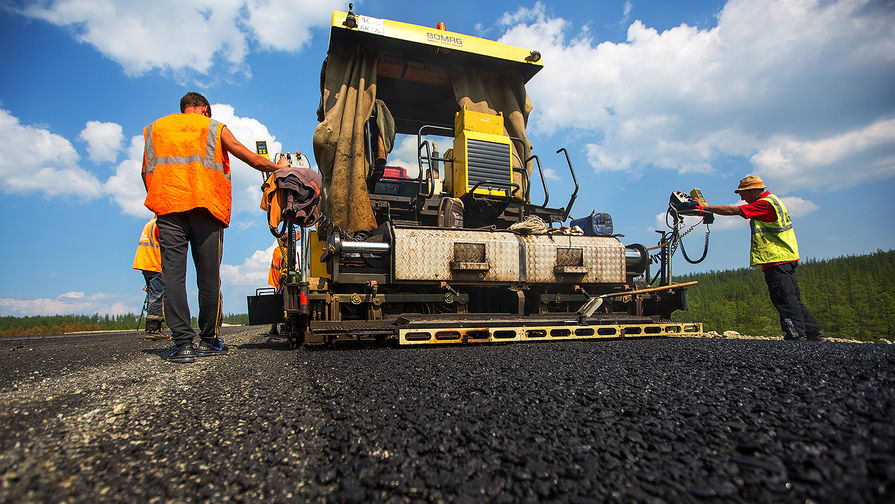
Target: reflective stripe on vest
<point x="781" y="210"/>
<point x="149" y="254"/>
<point x="773" y="242"/>
<point x="147" y="244"/>
<point x="207" y="161"/>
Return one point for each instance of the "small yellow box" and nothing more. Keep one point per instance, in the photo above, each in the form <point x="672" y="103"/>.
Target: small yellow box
<point x="468" y="120"/>
<point x="318" y="269"/>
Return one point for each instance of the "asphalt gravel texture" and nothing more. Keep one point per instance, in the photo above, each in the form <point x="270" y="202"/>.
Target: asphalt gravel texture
<point x="103" y="418"/>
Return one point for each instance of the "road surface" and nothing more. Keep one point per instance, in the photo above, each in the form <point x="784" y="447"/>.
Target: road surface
<point x="103" y="418"/>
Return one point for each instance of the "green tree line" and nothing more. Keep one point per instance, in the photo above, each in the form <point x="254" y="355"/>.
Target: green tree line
<point x="851" y="297"/>
<point x="60" y="324"/>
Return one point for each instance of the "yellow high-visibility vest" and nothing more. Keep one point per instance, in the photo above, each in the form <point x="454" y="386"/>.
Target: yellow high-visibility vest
<point x="773" y="242"/>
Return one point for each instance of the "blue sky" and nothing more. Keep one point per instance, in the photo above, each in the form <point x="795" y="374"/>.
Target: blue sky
<point x="647" y="96"/>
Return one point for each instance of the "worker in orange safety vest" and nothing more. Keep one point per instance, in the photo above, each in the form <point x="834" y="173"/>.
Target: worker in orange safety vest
<point x="274" y="276"/>
<point x="148" y="260"/>
<point x="186" y="172"/>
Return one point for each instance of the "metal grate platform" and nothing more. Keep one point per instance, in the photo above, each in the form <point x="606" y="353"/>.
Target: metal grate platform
<point x="417" y="329"/>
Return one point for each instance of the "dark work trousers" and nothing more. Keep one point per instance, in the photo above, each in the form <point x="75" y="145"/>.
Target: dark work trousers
<point x="795" y="320"/>
<point x="204" y="235"/>
<point x="155" y="292"/>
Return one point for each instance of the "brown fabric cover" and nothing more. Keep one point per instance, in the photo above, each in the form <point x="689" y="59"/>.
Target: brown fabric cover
<point x="492" y="92"/>
<point x="348" y="95"/>
<point x="386" y="125"/>
<point x="293" y="195"/>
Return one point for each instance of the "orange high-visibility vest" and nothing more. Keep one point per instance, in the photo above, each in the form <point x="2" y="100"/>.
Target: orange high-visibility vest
<point x="149" y="255"/>
<point x="273" y="278"/>
<point x="186" y="166"/>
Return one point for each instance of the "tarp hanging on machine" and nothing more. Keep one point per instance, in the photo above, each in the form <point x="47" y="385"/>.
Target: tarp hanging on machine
<point x="349" y="90"/>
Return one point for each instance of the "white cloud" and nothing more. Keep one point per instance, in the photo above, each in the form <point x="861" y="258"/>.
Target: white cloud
<point x="245" y="180"/>
<point x="125" y="187"/>
<point x="550" y="174"/>
<point x="252" y="272"/>
<point x="34" y="160"/>
<point x="524" y="15"/>
<point x="799" y="207"/>
<point x="769" y="71"/>
<point x="178" y="35"/>
<point x="789" y="163"/>
<point x="627" y="11"/>
<point x="164" y="34"/>
<point x="65" y="304"/>
<point x="273" y="30"/>
<point x="103" y="140"/>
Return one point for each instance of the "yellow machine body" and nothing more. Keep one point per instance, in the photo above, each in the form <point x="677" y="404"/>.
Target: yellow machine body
<point x="482" y="153"/>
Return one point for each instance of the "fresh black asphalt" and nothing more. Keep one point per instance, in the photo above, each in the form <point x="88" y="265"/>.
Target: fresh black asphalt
<point x="102" y="418"/>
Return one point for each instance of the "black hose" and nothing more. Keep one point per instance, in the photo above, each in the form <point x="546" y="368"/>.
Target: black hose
<point x="705" y="250"/>
<point x="676" y="238"/>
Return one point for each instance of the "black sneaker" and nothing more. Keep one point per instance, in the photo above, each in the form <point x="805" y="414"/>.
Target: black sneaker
<point x="182" y="353"/>
<point x="213" y="347"/>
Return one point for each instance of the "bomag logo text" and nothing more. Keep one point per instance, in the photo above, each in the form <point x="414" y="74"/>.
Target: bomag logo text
<point x="444" y="39"/>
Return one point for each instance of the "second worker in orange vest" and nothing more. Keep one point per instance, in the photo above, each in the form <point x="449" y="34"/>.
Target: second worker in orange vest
<point x="148" y="260"/>
<point x="186" y="171"/>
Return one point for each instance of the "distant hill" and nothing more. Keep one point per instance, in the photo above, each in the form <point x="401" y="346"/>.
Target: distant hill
<point x="851" y="297"/>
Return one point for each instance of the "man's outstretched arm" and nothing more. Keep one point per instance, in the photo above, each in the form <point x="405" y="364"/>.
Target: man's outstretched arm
<point x="250" y="158"/>
<point x="725" y="210"/>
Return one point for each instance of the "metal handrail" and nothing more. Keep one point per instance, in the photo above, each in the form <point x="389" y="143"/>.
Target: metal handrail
<point x="420" y="143"/>
<point x="543" y="182"/>
<point x="574" y="179"/>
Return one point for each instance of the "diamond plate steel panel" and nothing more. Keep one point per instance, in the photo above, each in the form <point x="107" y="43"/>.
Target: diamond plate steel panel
<point x="426" y="254"/>
<point x="604" y="258"/>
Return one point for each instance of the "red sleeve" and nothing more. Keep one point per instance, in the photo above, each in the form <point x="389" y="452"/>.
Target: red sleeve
<point x="761" y="210"/>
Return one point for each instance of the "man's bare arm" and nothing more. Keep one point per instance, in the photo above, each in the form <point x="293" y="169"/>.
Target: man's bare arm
<point x="250" y="158"/>
<point x="725" y="210"/>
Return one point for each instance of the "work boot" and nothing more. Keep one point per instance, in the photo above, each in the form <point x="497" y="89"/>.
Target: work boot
<point x="273" y="330"/>
<point x="213" y="347"/>
<point x="154" y="330"/>
<point x="182" y="353"/>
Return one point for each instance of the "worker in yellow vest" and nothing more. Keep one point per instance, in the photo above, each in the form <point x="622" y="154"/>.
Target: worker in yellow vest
<point x="775" y="251"/>
<point x="186" y="172"/>
<point x="148" y="260"/>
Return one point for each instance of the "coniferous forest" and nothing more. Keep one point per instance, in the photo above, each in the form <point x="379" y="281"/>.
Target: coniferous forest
<point x="851" y="297"/>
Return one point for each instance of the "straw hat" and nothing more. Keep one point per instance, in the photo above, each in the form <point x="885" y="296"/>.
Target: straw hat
<point x="750" y="182"/>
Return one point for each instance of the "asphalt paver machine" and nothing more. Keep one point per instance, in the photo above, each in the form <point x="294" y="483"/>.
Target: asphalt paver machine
<point x="449" y="248"/>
